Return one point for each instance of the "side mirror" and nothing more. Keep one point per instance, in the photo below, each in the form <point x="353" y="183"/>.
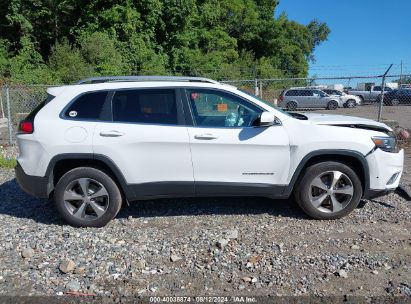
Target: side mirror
<point x="267" y="119"/>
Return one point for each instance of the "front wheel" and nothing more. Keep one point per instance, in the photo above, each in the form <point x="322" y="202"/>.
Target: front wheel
<point x="87" y="197"/>
<point x="350" y="103"/>
<point x="328" y="190"/>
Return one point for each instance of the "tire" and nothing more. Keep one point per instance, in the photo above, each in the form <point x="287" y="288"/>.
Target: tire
<point x="394" y="102"/>
<point x="350" y="104"/>
<point x="291" y="106"/>
<point x="317" y="202"/>
<point x="332" y="105"/>
<point x="101" y="205"/>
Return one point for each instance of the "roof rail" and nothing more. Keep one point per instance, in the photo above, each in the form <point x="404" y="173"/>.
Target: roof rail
<point x="103" y="79"/>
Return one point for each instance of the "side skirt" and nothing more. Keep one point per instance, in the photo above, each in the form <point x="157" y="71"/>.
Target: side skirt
<point x="203" y="189"/>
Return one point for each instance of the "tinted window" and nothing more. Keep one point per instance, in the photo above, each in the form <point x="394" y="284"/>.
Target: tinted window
<point x="87" y="106"/>
<point x="145" y="106"/>
<point x="219" y="109"/>
<point x="291" y="93"/>
<point x="377" y="88"/>
<point x="317" y="93"/>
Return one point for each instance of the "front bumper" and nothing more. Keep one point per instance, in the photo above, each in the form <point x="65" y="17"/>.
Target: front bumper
<point x="36" y="186"/>
<point x="385" y="170"/>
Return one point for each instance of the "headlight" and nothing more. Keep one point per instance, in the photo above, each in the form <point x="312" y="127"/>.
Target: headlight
<point x="388" y="144"/>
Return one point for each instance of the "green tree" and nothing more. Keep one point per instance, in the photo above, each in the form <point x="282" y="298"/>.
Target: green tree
<point x="67" y="63"/>
<point x="99" y="50"/>
<point x="4" y="59"/>
<point x="27" y="66"/>
<point x="219" y="39"/>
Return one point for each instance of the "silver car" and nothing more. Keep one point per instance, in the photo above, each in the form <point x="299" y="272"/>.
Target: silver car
<point x="302" y="98"/>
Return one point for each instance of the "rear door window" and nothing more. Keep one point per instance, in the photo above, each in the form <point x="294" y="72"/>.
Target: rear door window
<point x="88" y="106"/>
<point x="152" y="106"/>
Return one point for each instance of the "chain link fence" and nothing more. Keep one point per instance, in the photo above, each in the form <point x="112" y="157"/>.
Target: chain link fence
<point x="360" y="96"/>
<point x="16" y="102"/>
<point x="393" y="105"/>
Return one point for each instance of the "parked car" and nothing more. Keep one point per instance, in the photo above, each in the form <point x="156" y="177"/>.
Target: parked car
<point x="295" y="98"/>
<point x="93" y="147"/>
<point x="370" y="95"/>
<point x="396" y="97"/>
<point x="349" y="101"/>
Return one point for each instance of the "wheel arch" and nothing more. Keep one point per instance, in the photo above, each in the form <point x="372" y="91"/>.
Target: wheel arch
<point x="353" y="159"/>
<point x="61" y="164"/>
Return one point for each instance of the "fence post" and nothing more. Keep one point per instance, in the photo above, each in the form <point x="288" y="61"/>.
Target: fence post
<point x="261" y="89"/>
<point x="1" y="102"/>
<point x="256" y="87"/>
<point x="9" y="122"/>
<point x="382" y="92"/>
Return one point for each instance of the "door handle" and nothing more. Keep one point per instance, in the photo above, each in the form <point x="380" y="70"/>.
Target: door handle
<point x="205" y="136"/>
<point x="112" y="133"/>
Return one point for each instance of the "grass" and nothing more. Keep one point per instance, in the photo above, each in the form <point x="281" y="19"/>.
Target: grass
<point x="6" y="163"/>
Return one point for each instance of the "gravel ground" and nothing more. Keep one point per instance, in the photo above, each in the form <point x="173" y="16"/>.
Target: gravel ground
<point x="204" y="246"/>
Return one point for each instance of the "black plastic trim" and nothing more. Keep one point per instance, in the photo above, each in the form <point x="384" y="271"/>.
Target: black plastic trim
<point x="161" y="190"/>
<point x="36" y="186"/>
<point x="239" y="189"/>
<point x="357" y="155"/>
<point x="372" y="193"/>
<point x="106" y="160"/>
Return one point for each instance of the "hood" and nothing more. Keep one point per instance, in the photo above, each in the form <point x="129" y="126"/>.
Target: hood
<point x="347" y="121"/>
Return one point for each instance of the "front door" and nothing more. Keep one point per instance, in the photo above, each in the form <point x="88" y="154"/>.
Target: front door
<point x="232" y="156"/>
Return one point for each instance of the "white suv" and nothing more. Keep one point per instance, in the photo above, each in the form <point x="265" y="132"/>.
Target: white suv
<point x="94" y="145"/>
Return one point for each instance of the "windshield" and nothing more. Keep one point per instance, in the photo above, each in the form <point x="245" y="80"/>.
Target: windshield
<point x="267" y="103"/>
<point x="333" y="92"/>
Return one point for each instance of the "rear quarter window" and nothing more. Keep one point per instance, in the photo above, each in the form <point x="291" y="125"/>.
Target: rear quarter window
<point x="88" y="106"/>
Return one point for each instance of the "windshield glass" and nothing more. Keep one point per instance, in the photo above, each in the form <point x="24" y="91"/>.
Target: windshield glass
<point x="267" y="103"/>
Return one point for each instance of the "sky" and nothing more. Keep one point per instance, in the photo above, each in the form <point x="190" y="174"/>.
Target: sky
<point x="366" y="35"/>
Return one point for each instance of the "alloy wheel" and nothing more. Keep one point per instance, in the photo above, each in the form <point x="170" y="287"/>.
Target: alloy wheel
<point x="331" y="191"/>
<point x="86" y="198"/>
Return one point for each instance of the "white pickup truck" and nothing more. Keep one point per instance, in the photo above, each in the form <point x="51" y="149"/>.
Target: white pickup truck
<point x="370" y="94"/>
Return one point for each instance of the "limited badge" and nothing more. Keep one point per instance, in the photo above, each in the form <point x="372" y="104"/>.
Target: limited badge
<point x="73" y="113"/>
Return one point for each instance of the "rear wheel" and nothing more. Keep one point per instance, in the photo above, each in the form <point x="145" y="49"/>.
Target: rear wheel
<point x="328" y="190"/>
<point x="332" y="105"/>
<point x="87" y="197"/>
<point x="394" y="102"/>
<point x="291" y="106"/>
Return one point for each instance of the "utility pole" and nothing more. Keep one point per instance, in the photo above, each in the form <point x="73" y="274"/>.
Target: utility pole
<point x="401" y="73"/>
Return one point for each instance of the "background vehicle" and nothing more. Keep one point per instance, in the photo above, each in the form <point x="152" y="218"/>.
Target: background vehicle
<point x="295" y="98"/>
<point x="396" y="97"/>
<point x="370" y="94"/>
<point x="349" y="101"/>
<point x="136" y="138"/>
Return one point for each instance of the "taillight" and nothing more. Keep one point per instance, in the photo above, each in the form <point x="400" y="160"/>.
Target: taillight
<point x="26" y="127"/>
<point x="281" y="98"/>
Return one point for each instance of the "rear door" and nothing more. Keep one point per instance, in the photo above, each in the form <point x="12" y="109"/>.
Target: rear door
<point x="148" y="140"/>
